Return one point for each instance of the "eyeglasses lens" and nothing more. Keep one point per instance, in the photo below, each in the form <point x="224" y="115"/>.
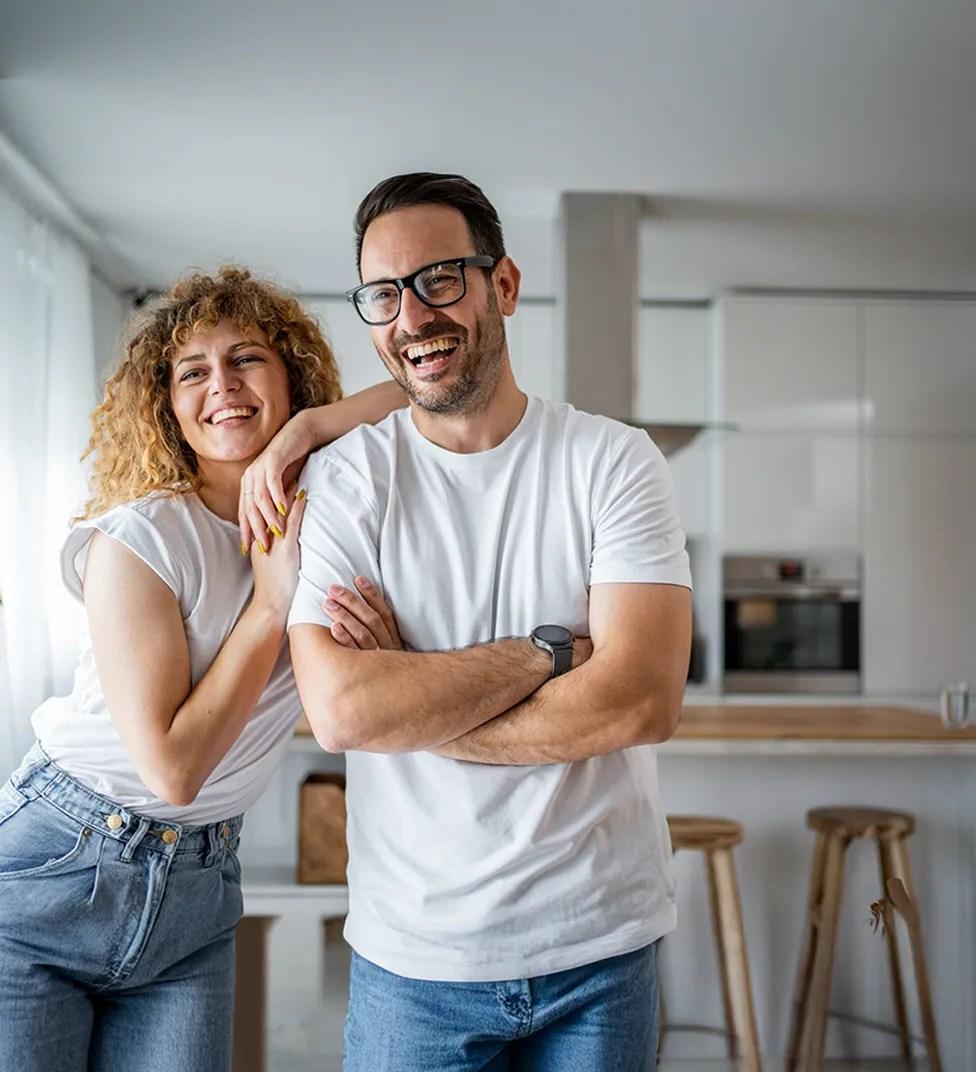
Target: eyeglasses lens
<point x="441" y="284"/>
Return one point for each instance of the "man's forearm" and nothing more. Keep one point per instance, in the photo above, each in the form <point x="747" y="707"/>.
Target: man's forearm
<point x="395" y="701"/>
<point x="588" y="712"/>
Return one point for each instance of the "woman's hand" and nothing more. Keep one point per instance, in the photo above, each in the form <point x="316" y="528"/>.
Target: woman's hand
<point x="362" y="618"/>
<point x="263" y="504"/>
<point x="276" y="570"/>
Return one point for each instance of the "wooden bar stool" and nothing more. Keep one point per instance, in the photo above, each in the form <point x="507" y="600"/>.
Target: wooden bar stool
<point x="716" y="838"/>
<point x="836" y="828"/>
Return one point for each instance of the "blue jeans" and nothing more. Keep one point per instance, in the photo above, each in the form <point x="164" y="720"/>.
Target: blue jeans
<point x="116" y="933"/>
<point x="598" y="1018"/>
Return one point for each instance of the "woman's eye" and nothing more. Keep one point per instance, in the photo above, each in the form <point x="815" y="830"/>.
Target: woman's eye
<point x="246" y="357"/>
<point x="189" y="374"/>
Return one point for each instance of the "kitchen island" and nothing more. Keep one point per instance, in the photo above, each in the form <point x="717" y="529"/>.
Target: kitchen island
<point x="763" y="762"/>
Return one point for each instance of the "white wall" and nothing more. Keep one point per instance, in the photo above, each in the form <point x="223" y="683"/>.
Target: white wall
<point x="109" y="310"/>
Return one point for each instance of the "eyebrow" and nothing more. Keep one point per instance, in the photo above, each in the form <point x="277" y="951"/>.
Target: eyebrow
<point x="233" y="350"/>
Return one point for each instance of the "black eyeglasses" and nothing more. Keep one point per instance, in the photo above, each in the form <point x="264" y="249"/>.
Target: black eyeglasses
<point x="436" y="285"/>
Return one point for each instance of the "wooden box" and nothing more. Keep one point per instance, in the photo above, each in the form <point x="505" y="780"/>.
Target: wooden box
<point x="322" y="852"/>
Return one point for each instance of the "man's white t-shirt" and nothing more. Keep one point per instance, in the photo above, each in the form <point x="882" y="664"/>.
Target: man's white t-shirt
<point x="467" y="871"/>
<point x="197" y="556"/>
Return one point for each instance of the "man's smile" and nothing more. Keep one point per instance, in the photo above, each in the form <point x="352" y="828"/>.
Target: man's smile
<point x="432" y="353"/>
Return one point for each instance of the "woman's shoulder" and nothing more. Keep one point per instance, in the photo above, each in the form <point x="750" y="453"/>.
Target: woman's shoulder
<point x="155" y="527"/>
<point x="159" y="509"/>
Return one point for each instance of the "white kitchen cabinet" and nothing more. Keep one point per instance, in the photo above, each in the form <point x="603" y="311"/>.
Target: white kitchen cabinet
<point x="920" y="367"/>
<point x="919" y="619"/>
<point x="532" y="347"/>
<point x="789" y="491"/>
<point x="789" y="363"/>
<point x="673" y="369"/>
<point x="359" y="365"/>
<point x="690" y="472"/>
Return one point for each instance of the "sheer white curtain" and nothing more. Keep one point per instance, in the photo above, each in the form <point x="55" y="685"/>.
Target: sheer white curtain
<point x="47" y="390"/>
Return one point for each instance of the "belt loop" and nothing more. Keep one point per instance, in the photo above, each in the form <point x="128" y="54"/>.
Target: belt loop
<point x="213" y="845"/>
<point x="133" y="843"/>
<point x="33" y="761"/>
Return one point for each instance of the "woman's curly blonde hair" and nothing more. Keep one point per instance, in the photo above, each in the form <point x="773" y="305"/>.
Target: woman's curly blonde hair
<point x="136" y="443"/>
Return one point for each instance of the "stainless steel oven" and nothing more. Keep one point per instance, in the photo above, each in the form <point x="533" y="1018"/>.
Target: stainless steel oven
<point x="792" y="623"/>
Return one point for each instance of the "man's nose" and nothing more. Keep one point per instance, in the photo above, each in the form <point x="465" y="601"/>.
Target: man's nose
<point x="414" y="315"/>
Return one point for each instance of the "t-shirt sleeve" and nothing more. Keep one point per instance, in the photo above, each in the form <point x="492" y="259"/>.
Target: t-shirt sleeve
<point x="150" y="541"/>
<point x="339" y="538"/>
<point x="636" y="533"/>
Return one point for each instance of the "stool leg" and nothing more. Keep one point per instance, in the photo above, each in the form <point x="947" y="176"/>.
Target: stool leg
<point x="897" y="982"/>
<point x="823" y="962"/>
<point x="808" y="945"/>
<point x="901" y="869"/>
<point x="736" y="988"/>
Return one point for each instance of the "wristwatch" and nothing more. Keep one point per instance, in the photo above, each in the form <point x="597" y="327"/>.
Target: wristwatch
<point x="559" y="643"/>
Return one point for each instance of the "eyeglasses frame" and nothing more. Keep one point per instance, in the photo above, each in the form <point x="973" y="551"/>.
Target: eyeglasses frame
<point x="407" y="282"/>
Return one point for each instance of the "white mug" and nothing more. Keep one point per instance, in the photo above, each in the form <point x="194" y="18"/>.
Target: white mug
<point x="955" y="706"/>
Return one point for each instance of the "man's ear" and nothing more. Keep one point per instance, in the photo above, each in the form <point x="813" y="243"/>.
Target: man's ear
<point x="506" y="279"/>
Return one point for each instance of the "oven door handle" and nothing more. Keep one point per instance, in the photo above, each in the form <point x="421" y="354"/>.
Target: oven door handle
<point x="827" y="595"/>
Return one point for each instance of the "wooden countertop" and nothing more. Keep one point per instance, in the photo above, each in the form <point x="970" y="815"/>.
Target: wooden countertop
<point x="732" y="728"/>
<point x="742" y="722"/>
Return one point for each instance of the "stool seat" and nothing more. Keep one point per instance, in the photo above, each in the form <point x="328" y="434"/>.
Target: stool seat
<point x="703" y="832"/>
<point x="857" y="822"/>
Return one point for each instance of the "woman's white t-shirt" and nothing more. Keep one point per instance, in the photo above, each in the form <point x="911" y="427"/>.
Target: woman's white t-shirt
<point x="197" y="556"/>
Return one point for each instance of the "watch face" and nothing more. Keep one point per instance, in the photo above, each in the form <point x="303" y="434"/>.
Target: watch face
<point x="555" y="635"/>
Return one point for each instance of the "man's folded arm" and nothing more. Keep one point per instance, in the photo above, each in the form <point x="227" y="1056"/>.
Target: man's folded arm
<point x="396" y="701"/>
<point x="628" y="693"/>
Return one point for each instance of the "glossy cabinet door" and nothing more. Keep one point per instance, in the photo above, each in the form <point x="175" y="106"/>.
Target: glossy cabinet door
<point x="790" y="383"/>
<point x="672" y="378"/>
<point x="920" y="367"/>
<point x="790" y="363"/>
<point x="784" y="491"/>
<point x="920" y="563"/>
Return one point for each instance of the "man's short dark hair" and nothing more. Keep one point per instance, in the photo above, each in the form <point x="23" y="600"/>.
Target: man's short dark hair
<point x="429" y="188"/>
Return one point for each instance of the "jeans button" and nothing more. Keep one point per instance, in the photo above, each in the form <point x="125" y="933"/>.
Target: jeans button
<point x="115" y="821"/>
<point x="169" y="836"/>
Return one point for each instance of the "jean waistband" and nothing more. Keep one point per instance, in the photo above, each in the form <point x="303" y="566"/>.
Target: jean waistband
<point x="40" y="775"/>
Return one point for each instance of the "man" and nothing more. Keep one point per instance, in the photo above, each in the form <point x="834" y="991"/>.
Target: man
<point x="509" y="871"/>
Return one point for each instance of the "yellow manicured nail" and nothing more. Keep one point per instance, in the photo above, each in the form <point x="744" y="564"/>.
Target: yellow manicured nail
<point x="277" y="532"/>
<point x="300" y="495"/>
<point x="243" y="548"/>
<point x="282" y="509"/>
<point x="264" y="549"/>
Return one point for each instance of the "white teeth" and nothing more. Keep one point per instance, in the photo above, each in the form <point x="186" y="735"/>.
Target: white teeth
<point x="432" y="347"/>
<point x="237" y="411"/>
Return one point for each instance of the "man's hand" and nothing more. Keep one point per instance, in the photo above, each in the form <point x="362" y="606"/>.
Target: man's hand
<point x="362" y="619"/>
<point x="582" y="650"/>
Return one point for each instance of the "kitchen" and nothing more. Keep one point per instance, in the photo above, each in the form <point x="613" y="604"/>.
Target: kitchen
<point x="774" y="236"/>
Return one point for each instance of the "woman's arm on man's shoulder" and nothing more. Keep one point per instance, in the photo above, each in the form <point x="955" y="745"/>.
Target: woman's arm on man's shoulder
<point x="266" y="480"/>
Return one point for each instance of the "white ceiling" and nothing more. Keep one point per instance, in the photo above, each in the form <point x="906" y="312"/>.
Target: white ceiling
<point x="188" y="132"/>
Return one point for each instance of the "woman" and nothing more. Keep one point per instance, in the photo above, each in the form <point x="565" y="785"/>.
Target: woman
<point x="119" y="880"/>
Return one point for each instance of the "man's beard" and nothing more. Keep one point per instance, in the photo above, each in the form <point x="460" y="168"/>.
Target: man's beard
<point x="476" y="377"/>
